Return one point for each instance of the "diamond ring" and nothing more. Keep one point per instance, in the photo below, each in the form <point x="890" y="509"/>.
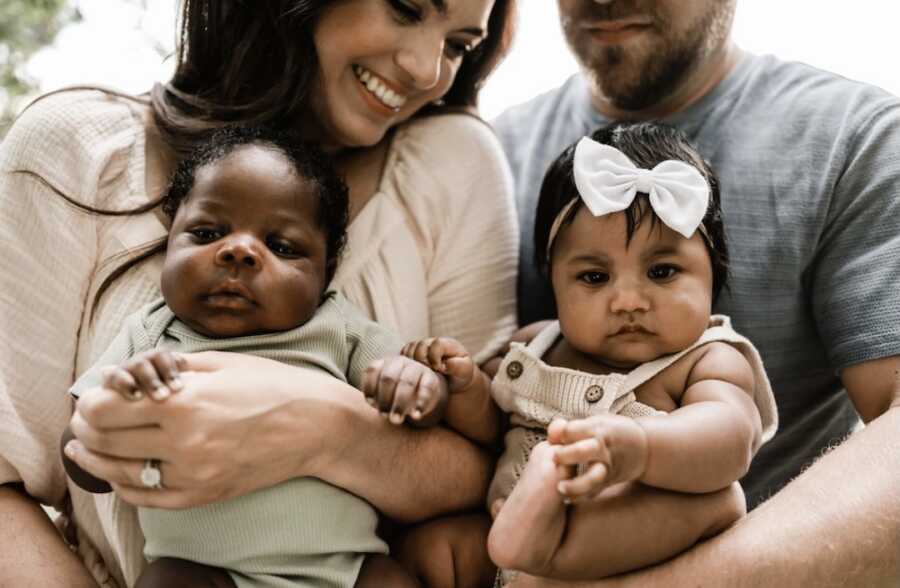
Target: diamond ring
<point x="151" y="475"/>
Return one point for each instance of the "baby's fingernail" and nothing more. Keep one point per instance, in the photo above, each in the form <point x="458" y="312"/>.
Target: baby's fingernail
<point x="176" y="383"/>
<point x="161" y="393"/>
<point x="396" y="418"/>
<point x="417" y="414"/>
<point x="135" y="395"/>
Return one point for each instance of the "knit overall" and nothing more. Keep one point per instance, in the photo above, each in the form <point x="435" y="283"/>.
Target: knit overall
<point x="534" y="393"/>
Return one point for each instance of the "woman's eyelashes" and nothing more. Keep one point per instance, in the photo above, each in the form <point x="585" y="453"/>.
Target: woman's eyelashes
<point x="410" y="13"/>
<point x="406" y="12"/>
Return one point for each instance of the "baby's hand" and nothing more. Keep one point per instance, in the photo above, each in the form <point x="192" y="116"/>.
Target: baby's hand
<point x="403" y="388"/>
<point x="153" y="373"/>
<point x="611" y="448"/>
<point x="446" y="356"/>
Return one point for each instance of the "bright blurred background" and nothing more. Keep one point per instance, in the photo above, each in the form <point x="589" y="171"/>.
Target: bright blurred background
<point x="47" y="44"/>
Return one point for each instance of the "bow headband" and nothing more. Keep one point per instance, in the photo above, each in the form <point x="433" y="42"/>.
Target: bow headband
<point x="608" y="182"/>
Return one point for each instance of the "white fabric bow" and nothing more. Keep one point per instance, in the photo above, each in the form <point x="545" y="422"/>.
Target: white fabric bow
<point x="608" y="182"/>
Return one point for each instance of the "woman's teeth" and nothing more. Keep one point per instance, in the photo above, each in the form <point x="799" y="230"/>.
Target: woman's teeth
<point x="378" y="89"/>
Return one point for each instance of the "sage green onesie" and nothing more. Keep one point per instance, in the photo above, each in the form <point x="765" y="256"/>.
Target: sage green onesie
<point x="303" y="532"/>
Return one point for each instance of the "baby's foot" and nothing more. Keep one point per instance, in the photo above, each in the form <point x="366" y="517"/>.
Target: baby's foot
<point x="529" y="526"/>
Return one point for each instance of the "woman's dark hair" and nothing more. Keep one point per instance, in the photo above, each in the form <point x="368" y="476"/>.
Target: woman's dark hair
<point x="248" y="62"/>
<point x="646" y="145"/>
<point x="308" y="161"/>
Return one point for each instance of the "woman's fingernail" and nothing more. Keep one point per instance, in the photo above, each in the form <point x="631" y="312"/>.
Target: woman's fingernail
<point x="135" y="394"/>
<point x="69" y="449"/>
<point x="176" y="383"/>
<point x="417" y="414"/>
<point x="396" y="418"/>
<point x="161" y="393"/>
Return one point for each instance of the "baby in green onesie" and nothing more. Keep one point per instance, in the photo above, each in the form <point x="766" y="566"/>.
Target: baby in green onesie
<point x="258" y="223"/>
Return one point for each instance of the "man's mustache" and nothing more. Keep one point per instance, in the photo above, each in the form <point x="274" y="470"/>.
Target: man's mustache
<point x="590" y="12"/>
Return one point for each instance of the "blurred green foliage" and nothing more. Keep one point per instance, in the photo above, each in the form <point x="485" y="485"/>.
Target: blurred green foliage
<point x="25" y="27"/>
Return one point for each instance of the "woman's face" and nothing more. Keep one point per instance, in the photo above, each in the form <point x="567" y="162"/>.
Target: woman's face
<point x="382" y="60"/>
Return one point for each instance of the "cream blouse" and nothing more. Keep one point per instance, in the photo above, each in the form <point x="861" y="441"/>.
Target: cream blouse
<point x="434" y="252"/>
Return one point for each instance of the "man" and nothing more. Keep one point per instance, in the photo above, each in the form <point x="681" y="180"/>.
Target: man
<point x="810" y="170"/>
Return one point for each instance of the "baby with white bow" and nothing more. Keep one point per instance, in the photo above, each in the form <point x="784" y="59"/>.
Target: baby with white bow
<point x="632" y="417"/>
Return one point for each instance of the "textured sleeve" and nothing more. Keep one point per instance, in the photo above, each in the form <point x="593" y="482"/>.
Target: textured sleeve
<point x="855" y="282"/>
<point x="366" y="341"/>
<point x="465" y="199"/>
<point x="78" y="143"/>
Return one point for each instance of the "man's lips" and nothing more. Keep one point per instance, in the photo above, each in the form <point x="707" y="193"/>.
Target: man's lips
<point x="616" y="31"/>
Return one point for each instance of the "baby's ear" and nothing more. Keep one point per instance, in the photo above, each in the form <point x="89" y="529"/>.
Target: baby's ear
<point x="82" y="479"/>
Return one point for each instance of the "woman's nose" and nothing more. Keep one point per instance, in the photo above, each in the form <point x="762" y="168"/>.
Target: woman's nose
<point x="421" y="60"/>
<point x="239" y="250"/>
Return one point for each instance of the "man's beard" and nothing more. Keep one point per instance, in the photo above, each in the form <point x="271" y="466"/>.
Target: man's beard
<point x="637" y="84"/>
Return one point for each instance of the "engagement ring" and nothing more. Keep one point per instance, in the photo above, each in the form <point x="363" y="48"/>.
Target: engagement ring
<point x="151" y="475"/>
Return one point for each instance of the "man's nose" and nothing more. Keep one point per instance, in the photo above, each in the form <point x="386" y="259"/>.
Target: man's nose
<point x="239" y="250"/>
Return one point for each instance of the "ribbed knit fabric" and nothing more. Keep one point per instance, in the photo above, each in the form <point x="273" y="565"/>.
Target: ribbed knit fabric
<point x="534" y="393"/>
<point x="432" y="253"/>
<point x="302" y="531"/>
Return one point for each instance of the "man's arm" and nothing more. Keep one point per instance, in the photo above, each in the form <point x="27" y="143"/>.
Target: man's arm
<point x="835" y="525"/>
<point x="42" y="559"/>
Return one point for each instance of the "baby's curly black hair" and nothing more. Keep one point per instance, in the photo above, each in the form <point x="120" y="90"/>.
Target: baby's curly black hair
<point x="646" y="145"/>
<point x="307" y="160"/>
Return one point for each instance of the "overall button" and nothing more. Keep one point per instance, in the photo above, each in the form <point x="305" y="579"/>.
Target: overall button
<point x="514" y="370"/>
<point x="593" y="393"/>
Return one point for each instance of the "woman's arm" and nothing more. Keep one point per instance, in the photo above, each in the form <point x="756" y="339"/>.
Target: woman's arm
<point x="217" y="441"/>
<point x="43" y="559"/>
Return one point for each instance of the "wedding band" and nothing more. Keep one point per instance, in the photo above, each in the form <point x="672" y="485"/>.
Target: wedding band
<point x="151" y="475"/>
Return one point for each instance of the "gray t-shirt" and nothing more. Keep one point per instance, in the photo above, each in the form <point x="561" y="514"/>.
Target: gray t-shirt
<point x="809" y="166"/>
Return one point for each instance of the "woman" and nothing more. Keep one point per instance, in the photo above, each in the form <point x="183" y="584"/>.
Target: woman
<point x="432" y="248"/>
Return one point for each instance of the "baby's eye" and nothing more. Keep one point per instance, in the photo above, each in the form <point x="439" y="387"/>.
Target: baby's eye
<point x="282" y="248"/>
<point x="662" y="272"/>
<point x="206" y="234"/>
<point x="594" y="278"/>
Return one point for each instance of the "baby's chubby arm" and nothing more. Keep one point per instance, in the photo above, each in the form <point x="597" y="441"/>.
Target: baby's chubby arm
<point x="465" y="404"/>
<point x="702" y="446"/>
<point x="151" y="374"/>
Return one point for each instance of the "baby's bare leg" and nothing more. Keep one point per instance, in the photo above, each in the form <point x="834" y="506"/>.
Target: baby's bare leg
<point x="631" y="526"/>
<point x="527" y="531"/>
<point x="170" y="572"/>
<point x="450" y="552"/>
<point x="380" y="570"/>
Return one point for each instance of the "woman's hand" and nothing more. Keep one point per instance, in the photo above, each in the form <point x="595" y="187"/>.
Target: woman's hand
<point x="231" y="429"/>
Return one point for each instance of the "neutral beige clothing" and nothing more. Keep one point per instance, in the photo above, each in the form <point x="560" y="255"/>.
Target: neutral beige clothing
<point x="534" y="393"/>
<point x="433" y="252"/>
